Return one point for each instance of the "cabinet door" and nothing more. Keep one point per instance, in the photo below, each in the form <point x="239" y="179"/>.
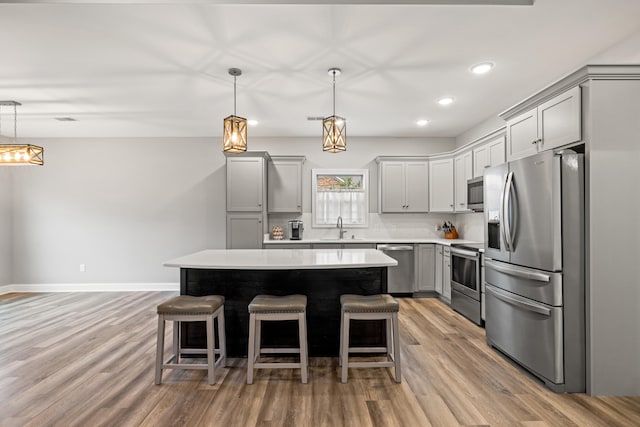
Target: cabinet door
<point x="496" y="150"/>
<point x="350" y="245"/>
<point x="417" y="187"/>
<point x="426" y="268"/>
<point x="559" y="120"/>
<point x="438" y="268"/>
<point x="392" y="189"/>
<point x="245" y="184"/>
<point x="244" y="231"/>
<point x="441" y="185"/>
<point x="522" y="135"/>
<point x="286" y="246"/>
<point x="446" y="274"/>
<point x="285" y="186"/>
<point x="480" y="160"/>
<point x="463" y="170"/>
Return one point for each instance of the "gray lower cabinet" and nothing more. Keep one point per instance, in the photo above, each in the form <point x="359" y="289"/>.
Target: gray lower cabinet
<point x="244" y="230"/>
<point x="344" y="245"/>
<point x="438" y="269"/>
<point x="426" y="262"/>
<point x="446" y="273"/>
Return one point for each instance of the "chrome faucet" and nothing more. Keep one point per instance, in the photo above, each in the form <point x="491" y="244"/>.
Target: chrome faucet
<point x="339" y="226"/>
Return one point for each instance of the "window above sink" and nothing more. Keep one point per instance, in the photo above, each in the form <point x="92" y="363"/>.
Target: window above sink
<point x="340" y="193"/>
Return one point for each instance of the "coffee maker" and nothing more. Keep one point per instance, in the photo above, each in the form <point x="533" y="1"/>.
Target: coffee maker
<point x="295" y="229"/>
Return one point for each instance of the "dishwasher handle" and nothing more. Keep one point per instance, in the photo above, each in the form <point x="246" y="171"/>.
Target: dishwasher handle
<point x="389" y="248"/>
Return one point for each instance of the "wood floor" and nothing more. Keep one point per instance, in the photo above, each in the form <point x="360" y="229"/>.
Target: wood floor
<point x="87" y="359"/>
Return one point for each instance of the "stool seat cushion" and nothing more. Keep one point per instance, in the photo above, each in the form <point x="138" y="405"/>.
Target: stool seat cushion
<point x="276" y="304"/>
<point x="382" y="303"/>
<point x="187" y="304"/>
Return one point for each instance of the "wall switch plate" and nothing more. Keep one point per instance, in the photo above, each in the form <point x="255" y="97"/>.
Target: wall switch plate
<point x="83" y="268"/>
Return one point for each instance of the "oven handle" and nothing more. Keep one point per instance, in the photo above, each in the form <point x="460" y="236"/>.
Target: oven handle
<point x="465" y="252"/>
<point x="511" y="271"/>
<point x="518" y="302"/>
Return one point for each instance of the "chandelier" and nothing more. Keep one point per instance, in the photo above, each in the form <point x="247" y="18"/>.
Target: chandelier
<point x="334" y="128"/>
<point x="14" y="153"/>
<point x="234" y="139"/>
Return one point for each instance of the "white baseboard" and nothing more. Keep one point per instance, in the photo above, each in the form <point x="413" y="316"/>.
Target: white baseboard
<point x="89" y="287"/>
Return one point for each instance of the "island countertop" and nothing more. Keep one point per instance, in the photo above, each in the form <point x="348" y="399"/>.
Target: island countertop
<point x="283" y="259"/>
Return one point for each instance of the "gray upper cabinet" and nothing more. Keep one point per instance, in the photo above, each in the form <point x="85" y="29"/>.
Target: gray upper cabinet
<point x="285" y="184"/>
<point x="245" y="183"/>
<point x="553" y="124"/>
<point x="403" y="186"/>
<point x="441" y="185"/>
<point x="463" y="166"/>
<point x="490" y="154"/>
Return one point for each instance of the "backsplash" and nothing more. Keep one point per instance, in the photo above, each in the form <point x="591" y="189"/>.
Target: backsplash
<point x="380" y="226"/>
<point x="470" y="226"/>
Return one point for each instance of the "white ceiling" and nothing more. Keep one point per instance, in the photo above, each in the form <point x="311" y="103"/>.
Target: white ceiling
<point x="152" y="70"/>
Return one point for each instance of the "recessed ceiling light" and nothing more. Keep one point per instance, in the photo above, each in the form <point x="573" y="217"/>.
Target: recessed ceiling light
<point x="65" y="119"/>
<point x="422" y="122"/>
<point x="252" y="122"/>
<point x="482" y="68"/>
<point x="445" y="101"/>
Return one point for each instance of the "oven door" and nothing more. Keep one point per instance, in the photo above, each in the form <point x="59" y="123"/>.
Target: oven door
<point x="465" y="272"/>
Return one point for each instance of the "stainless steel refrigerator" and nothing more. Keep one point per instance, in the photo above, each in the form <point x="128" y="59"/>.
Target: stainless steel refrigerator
<point x="534" y="266"/>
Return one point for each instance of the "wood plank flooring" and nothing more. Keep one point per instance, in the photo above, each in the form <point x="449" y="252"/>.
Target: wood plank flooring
<point x="79" y="359"/>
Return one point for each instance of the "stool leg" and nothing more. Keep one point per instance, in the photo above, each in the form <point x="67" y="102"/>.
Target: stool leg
<point x="344" y="345"/>
<point x="396" y="348"/>
<point x="176" y="341"/>
<point x="160" y="349"/>
<point x="252" y="344"/>
<point x="304" y="359"/>
<point x="340" y="342"/>
<point x="222" y="339"/>
<point x="211" y="355"/>
<point x="388" y="326"/>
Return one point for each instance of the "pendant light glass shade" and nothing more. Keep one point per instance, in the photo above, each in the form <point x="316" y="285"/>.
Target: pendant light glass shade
<point x="334" y="134"/>
<point x="14" y="153"/>
<point x="234" y="137"/>
<point x="334" y="128"/>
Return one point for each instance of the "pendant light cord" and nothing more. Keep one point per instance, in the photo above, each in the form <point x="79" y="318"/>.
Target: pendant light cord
<point x="334" y="93"/>
<point x="234" y="95"/>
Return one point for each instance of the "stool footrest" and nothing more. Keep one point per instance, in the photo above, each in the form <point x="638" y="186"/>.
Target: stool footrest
<point x="279" y="350"/>
<point x="276" y="365"/>
<point x="371" y="364"/>
<point x="367" y="349"/>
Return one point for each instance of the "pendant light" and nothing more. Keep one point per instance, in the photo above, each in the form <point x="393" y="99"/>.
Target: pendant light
<point x="334" y="128"/>
<point x="14" y="153"/>
<point x="234" y="139"/>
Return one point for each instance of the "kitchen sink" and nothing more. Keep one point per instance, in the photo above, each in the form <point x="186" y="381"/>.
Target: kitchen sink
<point x="335" y="239"/>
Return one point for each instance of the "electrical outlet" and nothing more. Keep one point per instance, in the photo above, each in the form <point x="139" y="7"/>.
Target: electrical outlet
<point x="83" y="268"/>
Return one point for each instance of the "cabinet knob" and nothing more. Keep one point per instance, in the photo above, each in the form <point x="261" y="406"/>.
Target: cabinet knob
<point x="461" y="204"/>
<point x="535" y="141"/>
<point x="452" y="205"/>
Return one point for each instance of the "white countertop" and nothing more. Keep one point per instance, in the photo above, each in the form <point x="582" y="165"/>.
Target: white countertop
<point x="447" y="242"/>
<point x="283" y="259"/>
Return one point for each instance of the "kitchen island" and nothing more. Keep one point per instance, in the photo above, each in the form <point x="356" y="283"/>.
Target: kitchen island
<point x="320" y="274"/>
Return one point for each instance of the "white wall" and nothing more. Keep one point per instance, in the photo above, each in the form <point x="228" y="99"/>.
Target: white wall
<point x="491" y="124"/>
<point x="614" y="233"/>
<point x="623" y="52"/>
<point x="123" y="206"/>
<point x="5" y="226"/>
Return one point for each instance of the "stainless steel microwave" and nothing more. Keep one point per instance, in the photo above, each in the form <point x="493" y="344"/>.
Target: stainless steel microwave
<point x="475" y="194"/>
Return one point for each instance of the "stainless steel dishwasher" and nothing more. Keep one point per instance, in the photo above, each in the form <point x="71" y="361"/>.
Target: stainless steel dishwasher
<point x="400" y="278"/>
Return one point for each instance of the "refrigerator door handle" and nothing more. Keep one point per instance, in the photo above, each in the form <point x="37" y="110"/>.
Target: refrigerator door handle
<point x="507" y="211"/>
<point x="502" y="216"/>
<point x="539" y="277"/>
<point x="519" y="302"/>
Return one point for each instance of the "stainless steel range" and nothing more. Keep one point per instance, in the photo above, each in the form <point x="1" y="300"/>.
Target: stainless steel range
<point x="466" y="280"/>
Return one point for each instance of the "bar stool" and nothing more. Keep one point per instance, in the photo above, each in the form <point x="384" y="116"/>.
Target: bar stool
<point x="269" y="308"/>
<point x="187" y="308"/>
<point x="370" y="307"/>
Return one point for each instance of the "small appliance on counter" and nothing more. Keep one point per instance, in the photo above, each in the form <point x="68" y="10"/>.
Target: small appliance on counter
<point x="296" y="228"/>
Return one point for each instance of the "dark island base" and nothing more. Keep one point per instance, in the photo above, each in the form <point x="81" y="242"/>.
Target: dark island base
<point x="322" y="288"/>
